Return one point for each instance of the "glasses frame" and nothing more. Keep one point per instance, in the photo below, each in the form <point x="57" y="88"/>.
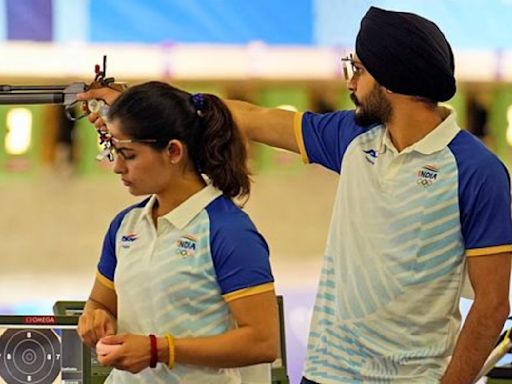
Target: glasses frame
<point x="129" y="141"/>
<point x="108" y="141"/>
<point x="348" y="66"/>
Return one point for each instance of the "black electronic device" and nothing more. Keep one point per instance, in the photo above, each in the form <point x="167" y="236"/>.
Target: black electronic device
<point x="97" y="373"/>
<point x="42" y="350"/>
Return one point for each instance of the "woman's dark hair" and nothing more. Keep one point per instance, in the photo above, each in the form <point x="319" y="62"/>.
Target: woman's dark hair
<point x="158" y="111"/>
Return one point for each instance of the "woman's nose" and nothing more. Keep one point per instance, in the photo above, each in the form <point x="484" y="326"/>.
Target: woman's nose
<point x="119" y="166"/>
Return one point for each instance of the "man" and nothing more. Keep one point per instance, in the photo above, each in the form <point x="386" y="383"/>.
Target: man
<point x="420" y="203"/>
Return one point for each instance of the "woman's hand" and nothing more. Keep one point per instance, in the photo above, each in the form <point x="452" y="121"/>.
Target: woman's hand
<point x="132" y="352"/>
<point x="95" y="324"/>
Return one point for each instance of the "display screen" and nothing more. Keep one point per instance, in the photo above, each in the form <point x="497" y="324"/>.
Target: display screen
<point x="42" y="354"/>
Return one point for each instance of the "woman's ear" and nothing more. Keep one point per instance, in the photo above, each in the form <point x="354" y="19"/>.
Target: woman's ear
<point x="175" y="151"/>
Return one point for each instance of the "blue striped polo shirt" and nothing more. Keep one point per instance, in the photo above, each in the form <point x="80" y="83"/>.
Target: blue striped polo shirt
<point x="178" y="278"/>
<point x="402" y="227"/>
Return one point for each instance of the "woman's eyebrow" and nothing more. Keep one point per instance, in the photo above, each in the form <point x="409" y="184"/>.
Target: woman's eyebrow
<point x="121" y="148"/>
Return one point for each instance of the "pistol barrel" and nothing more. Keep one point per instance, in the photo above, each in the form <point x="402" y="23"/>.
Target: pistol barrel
<point x="32" y="98"/>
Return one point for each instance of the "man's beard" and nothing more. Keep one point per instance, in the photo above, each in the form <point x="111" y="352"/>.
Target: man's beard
<point x="376" y="109"/>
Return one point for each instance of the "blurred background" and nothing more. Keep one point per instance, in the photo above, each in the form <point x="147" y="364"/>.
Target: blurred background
<point x="57" y="200"/>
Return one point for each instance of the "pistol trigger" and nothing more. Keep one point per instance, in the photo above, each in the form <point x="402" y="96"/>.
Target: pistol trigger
<point x="71" y="112"/>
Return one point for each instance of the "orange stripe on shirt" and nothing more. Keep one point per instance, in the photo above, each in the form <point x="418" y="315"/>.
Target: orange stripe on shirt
<point x="105" y="281"/>
<point x="489" y="250"/>
<point x="297" y="127"/>
<point x="248" y="291"/>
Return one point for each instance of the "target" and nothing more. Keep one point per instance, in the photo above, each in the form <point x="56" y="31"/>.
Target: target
<point x="29" y="356"/>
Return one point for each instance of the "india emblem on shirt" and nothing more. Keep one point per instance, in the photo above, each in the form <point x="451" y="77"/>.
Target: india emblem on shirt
<point x="186" y="246"/>
<point x="427" y="175"/>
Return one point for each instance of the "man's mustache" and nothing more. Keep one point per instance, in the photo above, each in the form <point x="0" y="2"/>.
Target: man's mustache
<point x="354" y="99"/>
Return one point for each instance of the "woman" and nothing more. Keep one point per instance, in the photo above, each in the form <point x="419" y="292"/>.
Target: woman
<point x="184" y="290"/>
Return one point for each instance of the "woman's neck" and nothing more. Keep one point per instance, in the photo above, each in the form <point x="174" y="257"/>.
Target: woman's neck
<point x="175" y="195"/>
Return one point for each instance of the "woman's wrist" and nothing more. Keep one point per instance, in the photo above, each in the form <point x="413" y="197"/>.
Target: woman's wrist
<point x="163" y="350"/>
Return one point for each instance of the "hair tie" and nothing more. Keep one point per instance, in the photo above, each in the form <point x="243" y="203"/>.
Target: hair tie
<point x="199" y="103"/>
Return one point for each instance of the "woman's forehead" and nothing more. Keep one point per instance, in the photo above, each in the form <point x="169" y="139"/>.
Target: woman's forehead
<point x="114" y="129"/>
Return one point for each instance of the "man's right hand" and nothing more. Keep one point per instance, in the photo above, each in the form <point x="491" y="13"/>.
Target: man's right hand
<point x="95" y="324"/>
<point x="106" y="94"/>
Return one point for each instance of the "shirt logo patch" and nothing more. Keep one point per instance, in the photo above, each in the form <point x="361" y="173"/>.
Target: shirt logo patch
<point x="427" y="175"/>
<point x="126" y="240"/>
<point x="186" y="246"/>
<point x="371" y="155"/>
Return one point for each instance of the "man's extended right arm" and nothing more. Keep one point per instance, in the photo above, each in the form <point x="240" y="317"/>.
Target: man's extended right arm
<point x="269" y="126"/>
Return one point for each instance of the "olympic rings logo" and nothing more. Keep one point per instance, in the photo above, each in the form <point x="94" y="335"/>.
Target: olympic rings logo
<point x="184" y="252"/>
<point x="424" y="182"/>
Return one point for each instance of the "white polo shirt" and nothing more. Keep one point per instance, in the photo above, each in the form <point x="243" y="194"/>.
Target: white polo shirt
<point x="402" y="226"/>
<point x="178" y="278"/>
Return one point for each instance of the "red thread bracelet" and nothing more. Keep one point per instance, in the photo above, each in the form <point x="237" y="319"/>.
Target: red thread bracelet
<point x="154" y="351"/>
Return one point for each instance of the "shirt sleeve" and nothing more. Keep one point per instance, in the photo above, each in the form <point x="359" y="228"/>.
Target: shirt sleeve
<point x="108" y="260"/>
<point x="241" y="259"/>
<point x="324" y="138"/>
<point x="485" y="209"/>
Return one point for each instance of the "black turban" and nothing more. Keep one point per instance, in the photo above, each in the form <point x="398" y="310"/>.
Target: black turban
<point x="406" y="53"/>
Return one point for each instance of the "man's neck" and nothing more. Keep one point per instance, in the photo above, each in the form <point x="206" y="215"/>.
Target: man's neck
<point x="410" y="123"/>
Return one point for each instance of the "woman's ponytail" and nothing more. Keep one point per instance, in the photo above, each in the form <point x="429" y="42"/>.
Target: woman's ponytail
<point x="222" y="155"/>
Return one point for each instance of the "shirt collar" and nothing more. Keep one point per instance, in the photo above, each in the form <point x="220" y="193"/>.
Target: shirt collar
<point x="386" y="142"/>
<point x="434" y="141"/>
<point x="183" y="214"/>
